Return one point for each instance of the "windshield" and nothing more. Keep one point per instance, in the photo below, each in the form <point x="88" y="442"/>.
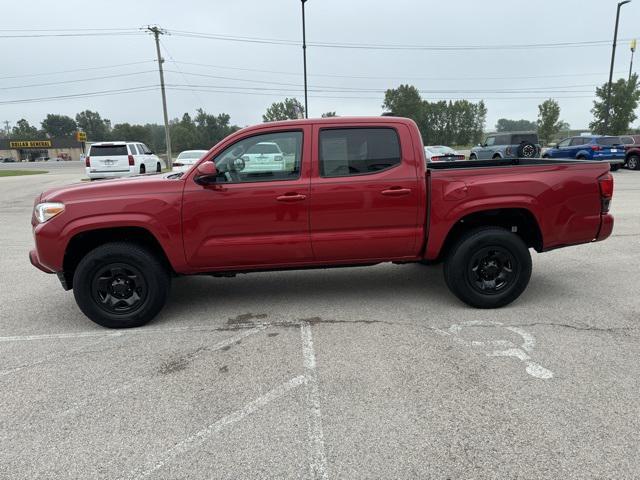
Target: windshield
<point x="440" y="150"/>
<point x="108" y="150"/>
<point x="263" y="148"/>
<point x="608" y="141"/>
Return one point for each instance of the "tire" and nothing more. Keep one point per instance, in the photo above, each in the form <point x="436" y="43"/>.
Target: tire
<point x="109" y="278"/>
<point x="545" y="156"/>
<point x="633" y="163"/>
<point x="496" y="157"/>
<point x="473" y="156"/>
<point x="527" y="150"/>
<point x="615" y="167"/>
<point x="499" y="251"/>
<point x="158" y="168"/>
<point x="143" y="169"/>
<point x="581" y="157"/>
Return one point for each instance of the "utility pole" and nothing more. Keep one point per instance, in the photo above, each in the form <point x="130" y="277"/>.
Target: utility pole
<point x="157" y="31"/>
<point x="6" y="127"/>
<point x="633" y="50"/>
<point x="613" y="59"/>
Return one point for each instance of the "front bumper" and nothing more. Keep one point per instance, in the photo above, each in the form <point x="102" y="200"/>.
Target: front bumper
<point x="35" y="261"/>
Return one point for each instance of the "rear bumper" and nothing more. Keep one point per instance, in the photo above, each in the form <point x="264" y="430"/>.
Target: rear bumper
<point x="93" y="174"/>
<point x="35" y="261"/>
<point x="606" y="227"/>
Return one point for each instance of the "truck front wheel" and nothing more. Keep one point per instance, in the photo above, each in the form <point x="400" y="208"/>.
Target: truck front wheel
<point x="121" y="285"/>
<point x="488" y="268"/>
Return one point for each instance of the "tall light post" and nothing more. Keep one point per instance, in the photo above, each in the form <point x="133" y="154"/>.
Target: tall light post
<point x="633" y="50"/>
<point x="304" y="61"/>
<point x="613" y="59"/>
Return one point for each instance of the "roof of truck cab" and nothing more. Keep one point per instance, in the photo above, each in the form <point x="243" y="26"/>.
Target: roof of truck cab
<point x="336" y="120"/>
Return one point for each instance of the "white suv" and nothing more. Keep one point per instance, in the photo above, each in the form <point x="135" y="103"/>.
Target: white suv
<point x="120" y="159"/>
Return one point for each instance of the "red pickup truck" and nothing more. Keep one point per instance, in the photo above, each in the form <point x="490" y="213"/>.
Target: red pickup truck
<point x="344" y="191"/>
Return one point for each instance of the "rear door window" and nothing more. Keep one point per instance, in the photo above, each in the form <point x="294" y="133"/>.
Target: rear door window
<point x="133" y="149"/>
<point x="609" y="141"/>
<point x="358" y="151"/>
<point x="108" y="150"/>
<point x="518" y="138"/>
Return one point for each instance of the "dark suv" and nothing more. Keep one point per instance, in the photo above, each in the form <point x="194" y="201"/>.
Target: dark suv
<point x="507" y="145"/>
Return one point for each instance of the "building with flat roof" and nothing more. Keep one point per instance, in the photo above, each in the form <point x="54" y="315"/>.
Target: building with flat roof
<point x="29" y="150"/>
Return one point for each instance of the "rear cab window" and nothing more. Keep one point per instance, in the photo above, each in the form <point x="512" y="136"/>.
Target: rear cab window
<point x="107" y="150"/>
<point x="358" y="151"/>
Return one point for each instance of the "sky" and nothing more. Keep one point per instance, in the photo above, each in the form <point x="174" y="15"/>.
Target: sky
<point x="262" y="61"/>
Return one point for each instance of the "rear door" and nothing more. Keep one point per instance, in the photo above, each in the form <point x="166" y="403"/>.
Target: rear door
<point x="109" y="157"/>
<point x="364" y="193"/>
<point x="578" y="144"/>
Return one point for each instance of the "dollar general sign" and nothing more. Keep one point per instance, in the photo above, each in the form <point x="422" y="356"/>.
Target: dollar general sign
<point x="30" y="144"/>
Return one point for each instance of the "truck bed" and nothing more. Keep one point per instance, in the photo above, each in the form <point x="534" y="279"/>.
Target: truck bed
<point x="505" y="163"/>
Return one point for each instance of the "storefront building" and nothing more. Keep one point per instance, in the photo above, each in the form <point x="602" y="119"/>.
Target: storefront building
<point x="32" y="150"/>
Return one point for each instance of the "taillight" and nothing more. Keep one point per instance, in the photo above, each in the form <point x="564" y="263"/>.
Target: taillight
<point x="87" y="161"/>
<point x="131" y="161"/>
<point x="605" y="182"/>
<point x="596" y="148"/>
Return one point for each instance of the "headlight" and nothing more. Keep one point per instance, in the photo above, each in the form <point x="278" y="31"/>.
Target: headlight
<point x="46" y="211"/>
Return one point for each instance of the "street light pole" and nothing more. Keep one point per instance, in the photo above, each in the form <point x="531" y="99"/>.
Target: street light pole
<point x="633" y="50"/>
<point x="304" y="61"/>
<point x="613" y="59"/>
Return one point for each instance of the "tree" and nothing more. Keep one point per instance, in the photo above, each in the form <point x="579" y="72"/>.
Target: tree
<point x="624" y="101"/>
<point x="404" y="101"/>
<point x="329" y="115"/>
<point x="506" y="125"/>
<point x="96" y="127"/>
<point x="131" y="133"/>
<point x="549" y="123"/>
<point x="55" y="126"/>
<point x="24" y="131"/>
<point x="212" y="128"/>
<point x="290" y="109"/>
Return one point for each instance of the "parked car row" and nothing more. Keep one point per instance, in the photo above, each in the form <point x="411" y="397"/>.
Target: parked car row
<point x="592" y="147"/>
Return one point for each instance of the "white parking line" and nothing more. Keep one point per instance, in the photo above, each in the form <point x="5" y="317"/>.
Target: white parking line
<point x="204" y="434"/>
<point x="318" y="465"/>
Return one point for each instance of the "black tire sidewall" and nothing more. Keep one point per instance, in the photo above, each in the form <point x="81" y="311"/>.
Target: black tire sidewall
<point x="456" y="266"/>
<point x="521" y="148"/>
<point x="155" y="276"/>
<point x="637" y="161"/>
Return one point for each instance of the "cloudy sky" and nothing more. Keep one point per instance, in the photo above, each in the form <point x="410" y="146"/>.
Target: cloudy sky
<point x="494" y="55"/>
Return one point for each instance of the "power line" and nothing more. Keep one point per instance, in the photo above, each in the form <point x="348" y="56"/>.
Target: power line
<point x="102" y="67"/>
<point x="100" y="93"/>
<point x="71" y="34"/>
<point x="77" y="80"/>
<point x="400" y="77"/>
<point x="373" y="46"/>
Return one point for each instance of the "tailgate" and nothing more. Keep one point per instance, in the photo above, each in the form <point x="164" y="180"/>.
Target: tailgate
<point x="109" y="158"/>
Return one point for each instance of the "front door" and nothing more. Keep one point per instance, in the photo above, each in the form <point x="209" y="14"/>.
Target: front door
<point x="254" y="218"/>
<point x="486" y="151"/>
<point x="365" y="194"/>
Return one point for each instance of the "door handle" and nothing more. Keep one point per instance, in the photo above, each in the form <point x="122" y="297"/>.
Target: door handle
<point x="295" y="197"/>
<point x="396" y="191"/>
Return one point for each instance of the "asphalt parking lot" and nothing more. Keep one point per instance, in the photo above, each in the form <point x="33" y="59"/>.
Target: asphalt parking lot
<point x="349" y="373"/>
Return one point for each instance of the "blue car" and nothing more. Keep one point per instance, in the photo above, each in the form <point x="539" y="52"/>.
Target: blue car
<point x="593" y="147"/>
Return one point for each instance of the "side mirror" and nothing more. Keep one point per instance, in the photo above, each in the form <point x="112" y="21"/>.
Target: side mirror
<point x="206" y="173"/>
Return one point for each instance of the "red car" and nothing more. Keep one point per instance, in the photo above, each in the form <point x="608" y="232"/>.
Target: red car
<point x="350" y="191"/>
<point x="632" y="151"/>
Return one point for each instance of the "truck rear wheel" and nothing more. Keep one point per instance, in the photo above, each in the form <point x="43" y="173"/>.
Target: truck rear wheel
<point x="121" y="285"/>
<point x="488" y="268"/>
<point x="633" y="163"/>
